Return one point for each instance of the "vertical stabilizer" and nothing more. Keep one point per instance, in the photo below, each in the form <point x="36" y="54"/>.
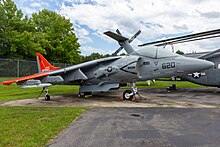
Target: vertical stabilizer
<point x="43" y="65"/>
<point x="123" y="41"/>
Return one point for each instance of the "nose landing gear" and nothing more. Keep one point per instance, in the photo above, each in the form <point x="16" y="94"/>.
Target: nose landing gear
<point x="130" y="94"/>
<point x="84" y="94"/>
<point x="47" y="96"/>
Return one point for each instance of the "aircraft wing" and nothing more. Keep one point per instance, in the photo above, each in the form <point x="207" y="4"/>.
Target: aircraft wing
<point x="204" y="55"/>
<point x="195" y="55"/>
<point x="39" y="75"/>
<point x="52" y="75"/>
<point x="210" y="54"/>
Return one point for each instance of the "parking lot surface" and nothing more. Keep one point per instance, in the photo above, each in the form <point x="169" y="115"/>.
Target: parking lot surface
<point x="127" y="127"/>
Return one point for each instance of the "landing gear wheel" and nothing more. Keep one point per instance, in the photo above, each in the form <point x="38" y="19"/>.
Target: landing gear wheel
<point x="82" y="94"/>
<point x="128" y="95"/>
<point x="47" y="97"/>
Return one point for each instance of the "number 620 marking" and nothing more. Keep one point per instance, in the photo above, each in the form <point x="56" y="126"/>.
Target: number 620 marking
<point x="168" y="65"/>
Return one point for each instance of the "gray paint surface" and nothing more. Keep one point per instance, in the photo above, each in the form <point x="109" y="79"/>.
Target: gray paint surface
<point x="127" y="127"/>
<point x="209" y="77"/>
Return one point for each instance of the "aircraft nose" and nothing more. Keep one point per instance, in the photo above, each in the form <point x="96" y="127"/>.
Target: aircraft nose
<point x="194" y="65"/>
<point x="203" y="65"/>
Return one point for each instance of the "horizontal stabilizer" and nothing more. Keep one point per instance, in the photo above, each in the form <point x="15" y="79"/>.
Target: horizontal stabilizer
<point x="115" y="36"/>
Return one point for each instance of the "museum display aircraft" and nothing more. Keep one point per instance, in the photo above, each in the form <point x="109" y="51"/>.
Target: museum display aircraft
<point x="110" y="73"/>
<point x="209" y="77"/>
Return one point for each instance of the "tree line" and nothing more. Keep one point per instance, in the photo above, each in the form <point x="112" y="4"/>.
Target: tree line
<point x="47" y="32"/>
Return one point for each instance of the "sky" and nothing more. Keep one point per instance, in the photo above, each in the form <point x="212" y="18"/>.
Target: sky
<point x="157" y="19"/>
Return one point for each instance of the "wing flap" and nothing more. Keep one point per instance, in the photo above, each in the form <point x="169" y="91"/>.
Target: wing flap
<point x="76" y="75"/>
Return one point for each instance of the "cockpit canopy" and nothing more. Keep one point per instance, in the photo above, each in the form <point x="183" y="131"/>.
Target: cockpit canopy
<point x="154" y="52"/>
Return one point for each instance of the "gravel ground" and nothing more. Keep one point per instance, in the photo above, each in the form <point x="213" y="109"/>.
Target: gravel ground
<point x="181" y="98"/>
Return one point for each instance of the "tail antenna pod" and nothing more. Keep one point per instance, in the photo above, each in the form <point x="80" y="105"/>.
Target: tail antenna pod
<point x="43" y="64"/>
<point x="118" y="32"/>
<point x="135" y="36"/>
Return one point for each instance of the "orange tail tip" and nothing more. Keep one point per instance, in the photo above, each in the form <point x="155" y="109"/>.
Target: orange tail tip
<point x="6" y="83"/>
<point x="43" y="64"/>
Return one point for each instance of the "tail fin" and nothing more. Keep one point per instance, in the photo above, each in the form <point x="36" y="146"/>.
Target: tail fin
<point x="117" y="37"/>
<point x="43" y="64"/>
<point x="123" y="41"/>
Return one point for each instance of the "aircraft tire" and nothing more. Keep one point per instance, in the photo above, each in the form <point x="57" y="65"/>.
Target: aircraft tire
<point x="47" y="97"/>
<point x="126" y="94"/>
<point x="82" y="94"/>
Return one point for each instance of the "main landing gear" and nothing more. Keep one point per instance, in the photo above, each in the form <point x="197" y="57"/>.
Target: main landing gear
<point x="130" y="94"/>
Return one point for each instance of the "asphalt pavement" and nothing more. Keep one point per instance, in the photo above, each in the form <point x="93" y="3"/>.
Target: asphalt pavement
<point x="147" y="127"/>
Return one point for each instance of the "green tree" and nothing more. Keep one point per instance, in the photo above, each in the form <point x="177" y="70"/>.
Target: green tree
<point x="94" y="56"/>
<point x="16" y="33"/>
<point x="46" y="32"/>
<point x="180" y="52"/>
<point x="56" y="35"/>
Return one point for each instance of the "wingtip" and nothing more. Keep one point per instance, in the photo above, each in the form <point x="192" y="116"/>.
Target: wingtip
<point x="6" y="82"/>
<point x="106" y="32"/>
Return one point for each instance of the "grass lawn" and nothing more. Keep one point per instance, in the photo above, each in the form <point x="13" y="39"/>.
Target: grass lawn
<point x="34" y="126"/>
<point x="13" y="92"/>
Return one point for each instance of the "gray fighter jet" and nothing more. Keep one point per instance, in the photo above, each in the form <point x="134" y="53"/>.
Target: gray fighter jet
<point x="110" y="73"/>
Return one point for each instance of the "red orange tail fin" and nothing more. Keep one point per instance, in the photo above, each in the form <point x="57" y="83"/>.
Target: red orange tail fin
<point x="43" y="64"/>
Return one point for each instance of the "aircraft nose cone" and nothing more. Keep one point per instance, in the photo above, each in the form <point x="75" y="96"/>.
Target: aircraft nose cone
<point x="190" y="65"/>
<point x="194" y="65"/>
<point x="207" y="64"/>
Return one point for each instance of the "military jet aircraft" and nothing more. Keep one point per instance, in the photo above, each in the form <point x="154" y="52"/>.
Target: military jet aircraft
<point x="209" y="77"/>
<point x="110" y="73"/>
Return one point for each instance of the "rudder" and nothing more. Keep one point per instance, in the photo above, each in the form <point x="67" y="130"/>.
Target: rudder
<point x="43" y="64"/>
